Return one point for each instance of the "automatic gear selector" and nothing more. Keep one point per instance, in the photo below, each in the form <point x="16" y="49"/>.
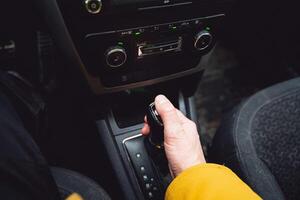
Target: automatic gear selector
<point x="155" y="141"/>
<point x="156" y="136"/>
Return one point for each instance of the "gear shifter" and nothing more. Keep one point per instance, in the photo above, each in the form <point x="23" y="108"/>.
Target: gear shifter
<point x="156" y="136"/>
<point x="155" y="141"/>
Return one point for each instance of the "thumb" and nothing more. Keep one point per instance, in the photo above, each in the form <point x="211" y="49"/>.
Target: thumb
<point x="167" y="112"/>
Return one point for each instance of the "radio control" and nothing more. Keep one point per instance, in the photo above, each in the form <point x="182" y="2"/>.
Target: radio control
<point x="146" y="49"/>
<point x="203" y="40"/>
<point x="116" y="56"/>
<point x="93" y="6"/>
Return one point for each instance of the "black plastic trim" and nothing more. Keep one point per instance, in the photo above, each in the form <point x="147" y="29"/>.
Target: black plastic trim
<point x="115" y="158"/>
<point x="52" y="15"/>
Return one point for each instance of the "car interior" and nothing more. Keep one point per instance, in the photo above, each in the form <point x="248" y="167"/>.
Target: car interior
<point x="83" y="73"/>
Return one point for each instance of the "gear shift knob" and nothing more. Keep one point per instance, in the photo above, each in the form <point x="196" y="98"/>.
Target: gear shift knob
<point x="156" y="136"/>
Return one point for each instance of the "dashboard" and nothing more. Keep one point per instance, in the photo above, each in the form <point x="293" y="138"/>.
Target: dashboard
<point x="120" y="45"/>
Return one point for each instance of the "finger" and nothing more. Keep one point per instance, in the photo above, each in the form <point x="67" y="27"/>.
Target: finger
<point x="183" y="119"/>
<point x="146" y="129"/>
<point x="168" y="113"/>
<point x="145" y="119"/>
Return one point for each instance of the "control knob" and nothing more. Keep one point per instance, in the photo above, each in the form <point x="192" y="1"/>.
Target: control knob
<point x="203" y="40"/>
<point x="115" y="56"/>
<point x="93" y="6"/>
<point x="156" y="136"/>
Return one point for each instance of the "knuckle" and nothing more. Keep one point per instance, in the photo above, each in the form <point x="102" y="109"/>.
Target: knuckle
<point x="193" y="124"/>
<point x="168" y="112"/>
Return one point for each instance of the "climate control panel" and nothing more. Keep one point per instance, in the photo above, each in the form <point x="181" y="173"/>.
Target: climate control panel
<point x="142" y="53"/>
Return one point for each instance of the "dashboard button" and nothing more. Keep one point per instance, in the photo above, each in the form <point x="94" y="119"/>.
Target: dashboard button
<point x="184" y="25"/>
<point x="148" y="186"/>
<point x="145" y="178"/>
<point x="143" y="169"/>
<point x="93" y="6"/>
<point x="116" y="57"/>
<point x="155" y="28"/>
<point x="125" y="33"/>
<point x="203" y="40"/>
<point x="150" y="195"/>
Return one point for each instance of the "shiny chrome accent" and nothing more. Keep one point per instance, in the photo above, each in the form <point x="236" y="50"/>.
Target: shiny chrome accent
<point x="199" y="36"/>
<point x="88" y="3"/>
<point x="115" y="50"/>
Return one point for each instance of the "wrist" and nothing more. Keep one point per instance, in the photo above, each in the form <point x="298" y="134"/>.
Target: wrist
<point x="186" y="165"/>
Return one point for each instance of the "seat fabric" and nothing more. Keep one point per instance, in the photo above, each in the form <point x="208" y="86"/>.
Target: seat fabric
<point x="70" y="182"/>
<point x="260" y="141"/>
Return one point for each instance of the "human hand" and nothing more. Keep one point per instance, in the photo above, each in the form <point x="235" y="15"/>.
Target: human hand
<point x="181" y="138"/>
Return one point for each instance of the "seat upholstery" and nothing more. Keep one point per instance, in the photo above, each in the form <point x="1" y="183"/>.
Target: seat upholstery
<point x="69" y="182"/>
<point x="260" y="141"/>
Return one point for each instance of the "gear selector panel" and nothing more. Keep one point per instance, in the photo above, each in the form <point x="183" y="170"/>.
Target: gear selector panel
<point x="145" y="171"/>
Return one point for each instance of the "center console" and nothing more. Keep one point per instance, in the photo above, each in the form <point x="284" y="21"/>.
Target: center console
<point x="141" y="169"/>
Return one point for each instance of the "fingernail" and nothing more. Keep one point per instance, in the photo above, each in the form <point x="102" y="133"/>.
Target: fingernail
<point x="161" y="99"/>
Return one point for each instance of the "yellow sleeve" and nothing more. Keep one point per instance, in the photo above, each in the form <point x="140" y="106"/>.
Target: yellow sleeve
<point x="74" y="196"/>
<point x="209" y="182"/>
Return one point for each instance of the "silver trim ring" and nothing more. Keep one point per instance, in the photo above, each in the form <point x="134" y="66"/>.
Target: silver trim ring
<point x="198" y="37"/>
<point x="87" y="6"/>
<point x="155" y="114"/>
<point x="114" y="50"/>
